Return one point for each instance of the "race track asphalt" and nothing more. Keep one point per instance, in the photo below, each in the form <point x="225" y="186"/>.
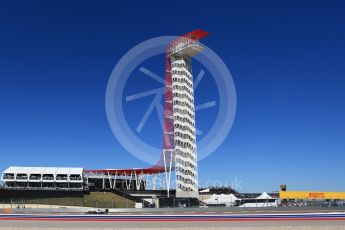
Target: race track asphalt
<point x="314" y="221"/>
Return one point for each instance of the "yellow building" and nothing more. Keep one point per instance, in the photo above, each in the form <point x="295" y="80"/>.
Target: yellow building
<point x="311" y="195"/>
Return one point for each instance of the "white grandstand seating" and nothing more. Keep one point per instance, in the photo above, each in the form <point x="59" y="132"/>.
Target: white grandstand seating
<point x="43" y="177"/>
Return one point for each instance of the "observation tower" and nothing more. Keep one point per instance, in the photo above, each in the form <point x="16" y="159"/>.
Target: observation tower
<point x="179" y="151"/>
<point x="179" y="134"/>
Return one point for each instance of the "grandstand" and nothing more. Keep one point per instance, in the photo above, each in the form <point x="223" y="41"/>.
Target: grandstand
<point x="68" y="186"/>
<point x="79" y="187"/>
<point x="69" y="179"/>
<point x="43" y="178"/>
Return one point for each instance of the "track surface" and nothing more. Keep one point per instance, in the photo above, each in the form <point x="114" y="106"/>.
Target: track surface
<point x="197" y="221"/>
<point x="183" y="218"/>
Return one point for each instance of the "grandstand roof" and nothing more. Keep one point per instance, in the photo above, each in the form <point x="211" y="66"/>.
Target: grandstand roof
<point x="43" y="170"/>
<point x="152" y="170"/>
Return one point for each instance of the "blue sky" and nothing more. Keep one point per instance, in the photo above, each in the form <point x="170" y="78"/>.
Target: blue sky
<point x="287" y="60"/>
